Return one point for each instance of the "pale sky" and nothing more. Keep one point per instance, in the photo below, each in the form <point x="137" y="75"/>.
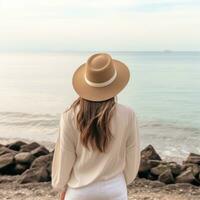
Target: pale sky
<point x="114" y="25"/>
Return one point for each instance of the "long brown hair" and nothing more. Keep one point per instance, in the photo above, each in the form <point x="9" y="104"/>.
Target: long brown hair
<point x="93" y="120"/>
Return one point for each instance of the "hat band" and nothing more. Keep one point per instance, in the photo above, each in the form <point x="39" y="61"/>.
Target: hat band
<point x="103" y="84"/>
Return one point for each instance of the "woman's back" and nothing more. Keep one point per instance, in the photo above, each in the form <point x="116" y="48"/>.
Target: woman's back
<point x="91" y="166"/>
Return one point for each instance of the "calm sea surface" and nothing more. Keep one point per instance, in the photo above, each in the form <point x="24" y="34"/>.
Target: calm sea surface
<point x="164" y="91"/>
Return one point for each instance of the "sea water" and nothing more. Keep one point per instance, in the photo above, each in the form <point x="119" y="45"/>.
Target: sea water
<point x="164" y="91"/>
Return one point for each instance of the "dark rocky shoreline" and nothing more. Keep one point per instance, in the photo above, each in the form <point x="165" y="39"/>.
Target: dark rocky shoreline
<point x="32" y="163"/>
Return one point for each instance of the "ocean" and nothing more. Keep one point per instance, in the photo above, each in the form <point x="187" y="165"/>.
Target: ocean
<point x="164" y="91"/>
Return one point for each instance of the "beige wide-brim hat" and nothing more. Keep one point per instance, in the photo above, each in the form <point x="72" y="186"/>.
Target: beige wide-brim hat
<point x="100" y="78"/>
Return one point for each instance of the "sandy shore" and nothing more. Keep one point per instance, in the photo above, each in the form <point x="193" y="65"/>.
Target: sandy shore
<point x="141" y="189"/>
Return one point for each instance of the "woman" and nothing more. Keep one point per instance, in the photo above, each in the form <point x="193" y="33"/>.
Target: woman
<point x="97" y="153"/>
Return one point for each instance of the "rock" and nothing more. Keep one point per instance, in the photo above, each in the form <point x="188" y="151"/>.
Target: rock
<point x="155" y="163"/>
<point x="20" y="168"/>
<point x="4" y="150"/>
<point x="6" y="160"/>
<point x="42" y="161"/>
<point x="185" y="177"/>
<point x="29" y="147"/>
<point x="1" y="145"/>
<point x="152" y="177"/>
<point x="159" y="169"/>
<point x="194" y="167"/>
<point x="176" y="169"/>
<point x="147" y="154"/>
<point x="166" y="177"/>
<point x="16" y="145"/>
<point x="34" y="175"/>
<point x="193" y="158"/>
<point x="195" y="170"/>
<point x="40" y="151"/>
<point x="49" y="166"/>
<point x="24" y="157"/>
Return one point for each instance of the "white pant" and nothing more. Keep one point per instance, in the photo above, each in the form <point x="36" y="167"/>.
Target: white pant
<point x="112" y="189"/>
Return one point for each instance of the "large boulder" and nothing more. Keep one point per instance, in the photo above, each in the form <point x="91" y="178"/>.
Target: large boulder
<point x="40" y="151"/>
<point x="16" y="145"/>
<point x="42" y="161"/>
<point x="193" y="158"/>
<point x="24" y="157"/>
<point x="194" y="167"/>
<point x="185" y="177"/>
<point x="176" y="169"/>
<point x="19" y="168"/>
<point x="6" y="161"/>
<point x="159" y="169"/>
<point x="29" y="147"/>
<point x="148" y="154"/>
<point x="166" y="177"/>
<point x="34" y="175"/>
<point x="5" y="150"/>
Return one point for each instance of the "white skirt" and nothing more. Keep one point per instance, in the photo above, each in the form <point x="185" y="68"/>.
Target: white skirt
<point x="111" y="189"/>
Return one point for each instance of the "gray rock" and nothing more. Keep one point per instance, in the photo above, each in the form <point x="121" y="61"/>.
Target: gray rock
<point x="40" y="151"/>
<point x="42" y="161"/>
<point x="159" y="169"/>
<point x="16" y="145"/>
<point x="166" y="177"/>
<point x="29" y="147"/>
<point x="5" y="150"/>
<point x="34" y="175"/>
<point x="20" y="168"/>
<point x="185" y="177"/>
<point x="176" y="169"/>
<point x="49" y="167"/>
<point x="24" y="157"/>
<point x="155" y="163"/>
<point x="194" y="167"/>
<point x="193" y="158"/>
<point x="6" y="160"/>
<point x="147" y="154"/>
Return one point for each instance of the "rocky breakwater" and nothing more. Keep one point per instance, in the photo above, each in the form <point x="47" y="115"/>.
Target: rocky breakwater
<point x="32" y="162"/>
<point x="152" y="167"/>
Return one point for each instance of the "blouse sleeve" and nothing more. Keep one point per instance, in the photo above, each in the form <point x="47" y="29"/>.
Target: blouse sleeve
<point x="64" y="155"/>
<point x="132" y="150"/>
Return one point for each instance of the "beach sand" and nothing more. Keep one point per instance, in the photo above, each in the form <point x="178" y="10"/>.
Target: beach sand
<point x="141" y="189"/>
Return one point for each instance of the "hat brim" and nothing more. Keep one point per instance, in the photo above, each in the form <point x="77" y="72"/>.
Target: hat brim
<point x="100" y="93"/>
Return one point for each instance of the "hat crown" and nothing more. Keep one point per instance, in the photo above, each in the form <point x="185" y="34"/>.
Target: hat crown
<point x="99" y="68"/>
<point x="99" y="62"/>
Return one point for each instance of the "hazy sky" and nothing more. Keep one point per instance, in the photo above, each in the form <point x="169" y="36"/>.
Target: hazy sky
<point x="53" y="25"/>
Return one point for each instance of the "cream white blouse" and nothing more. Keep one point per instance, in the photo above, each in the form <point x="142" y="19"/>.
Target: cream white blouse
<point x="75" y="166"/>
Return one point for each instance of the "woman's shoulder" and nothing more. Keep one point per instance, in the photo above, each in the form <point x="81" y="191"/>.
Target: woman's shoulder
<point x="67" y="113"/>
<point x="125" y="108"/>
